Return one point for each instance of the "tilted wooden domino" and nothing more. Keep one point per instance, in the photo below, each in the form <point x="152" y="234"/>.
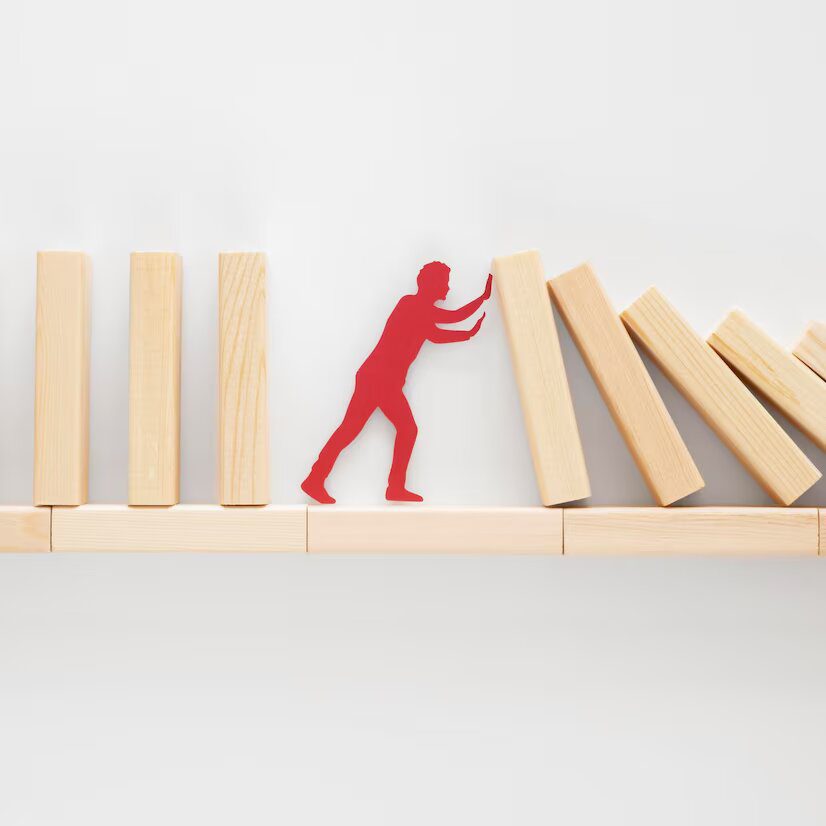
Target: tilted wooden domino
<point x="243" y="429"/>
<point x="811" y="349"/>
<point x="627" y="389"/>
<point x="789" y="385"/>
<point x="155" y="378"/>
<point x="550" y="422"/>
<point x="747" y="531"/>
<point x="25" y="528"/>
<point x="725" y="403"/>
<point x="61" y="409"/>
<point x="403" y="529"/>
<point x="180" y="528"/>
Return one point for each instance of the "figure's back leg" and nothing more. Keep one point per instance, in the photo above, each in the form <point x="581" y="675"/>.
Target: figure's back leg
<point x="395" y="406"/>
<point x="361" y="407"/>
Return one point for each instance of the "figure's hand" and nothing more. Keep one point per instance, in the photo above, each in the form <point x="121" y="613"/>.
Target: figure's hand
<point x="486" y="293"/>
<point x="476" y="327"/>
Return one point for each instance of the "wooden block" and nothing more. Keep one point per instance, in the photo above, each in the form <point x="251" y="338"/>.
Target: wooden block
<point x="811" y="349"/>
<point x="540" y="374"/>
<point x="61" y="410"/>
<point x="775" y="373"/>
<point x="822" y="512"/>
<point x="402" y="529"/>
<point x="725" y="403"/>
<point x="243" y="425"/>
<point x="627" y="389"/>
<point x="746" y="531"/>
<point x="180" y="528"/>
<point x="25" y="528"/>
<point x="155" y="379"/>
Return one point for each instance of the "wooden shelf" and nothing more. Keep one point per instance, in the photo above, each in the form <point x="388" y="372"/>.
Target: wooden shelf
<point x="710" y="531"/>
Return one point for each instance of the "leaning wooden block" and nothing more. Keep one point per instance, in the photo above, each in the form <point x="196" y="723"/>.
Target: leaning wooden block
<point x="745" y="531"/>
<point x="180" y="528"/>
<point x="540" y="374"/>
<point x="811" y="349"/>
<point x="61" y="408"/>
<point x="789" y="385"/>
<point x="25" y="528"/>
<point x="726" y="404"/>
<point x="627" y="389"/>
<point x="434" y="530"/>
<point x="155" y="379"/>
<point x="243" y="428"/>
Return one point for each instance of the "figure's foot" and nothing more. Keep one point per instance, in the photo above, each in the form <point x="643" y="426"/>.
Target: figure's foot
<point x="394" y="494"/>
<point x="314" y="488"/>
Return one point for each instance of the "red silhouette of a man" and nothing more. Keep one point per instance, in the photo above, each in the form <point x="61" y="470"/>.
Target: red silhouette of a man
<point x="380" y="380"/>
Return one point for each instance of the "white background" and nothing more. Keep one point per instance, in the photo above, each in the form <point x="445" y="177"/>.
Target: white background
<point x="676" y="143"/>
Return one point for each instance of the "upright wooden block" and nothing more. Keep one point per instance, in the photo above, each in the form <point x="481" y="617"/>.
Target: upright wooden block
<point x="155" y="379"/>
<point x="540" y="373"/>
<point x="775" y="373"/>
<point x="61" y="409"/>
<point x="811" y="349"/>
<point x="725" y="403"/>
<point x="180" y="528"/>
<point x="745" y="531"/>
<point x="243" y="427"/>
<point x="25" y="528"/>
<point x="627" y="389"/>
<point x="402" y="529"/>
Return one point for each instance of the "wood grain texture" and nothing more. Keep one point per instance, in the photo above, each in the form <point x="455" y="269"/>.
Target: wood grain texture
<point x="618" y="371"/>
<point x="24" y="528"/>
<point x="811" y="349"/>
<point x="155" y="379"/>
<point x="775" y="373"/>
<point x="746" y="531"/>
<point x="61" y="409"/>
<point x="180" y="528"/>
<point x="725" y="403"/>
<point x="243" y="425"/>
<point x="402" y="529"/>
<point x="540" y="374"/>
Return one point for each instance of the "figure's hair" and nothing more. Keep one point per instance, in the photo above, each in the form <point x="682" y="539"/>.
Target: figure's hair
<point x="430" y="271"/>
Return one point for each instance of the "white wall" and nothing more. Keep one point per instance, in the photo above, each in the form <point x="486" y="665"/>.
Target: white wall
<point x="671" y="143"/>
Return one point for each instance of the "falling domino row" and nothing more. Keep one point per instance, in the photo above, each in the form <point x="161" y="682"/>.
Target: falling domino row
<point x="705" y="372"/>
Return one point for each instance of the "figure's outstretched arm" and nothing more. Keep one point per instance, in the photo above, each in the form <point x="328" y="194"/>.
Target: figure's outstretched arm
<point x="443" y="316"/>
<point x="439" y="336"/>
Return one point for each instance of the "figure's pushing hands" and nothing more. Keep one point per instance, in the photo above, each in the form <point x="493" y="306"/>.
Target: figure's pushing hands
<point x="380" y="380"/>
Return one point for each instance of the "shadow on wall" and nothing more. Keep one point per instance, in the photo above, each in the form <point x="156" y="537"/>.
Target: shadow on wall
<point x="615" y="479"/>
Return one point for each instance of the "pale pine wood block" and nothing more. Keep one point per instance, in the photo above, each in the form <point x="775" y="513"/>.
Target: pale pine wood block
<point x="61" y="411"/>
<point x="180" y="528"/>
<point x="25" y="528"/>
<point x="628" y="391"/>
<point x="405" y="529"/>
<point x="811" y="349"/>
<point x="744" y="531"/>
<point x="243" y="424"/>
<point x="775" y="373"/>
<point x="726" y="404"/>
<point x="540" y="374"/>
<point x="155" y="378"/>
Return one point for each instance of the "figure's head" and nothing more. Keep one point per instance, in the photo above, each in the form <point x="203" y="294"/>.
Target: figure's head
<point x="433" y="280"/>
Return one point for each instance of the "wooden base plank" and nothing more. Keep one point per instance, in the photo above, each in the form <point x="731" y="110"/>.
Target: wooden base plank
<point x="721" y="530"/>
<point x="180" y="528"/>
<point x="25" y="528"/>
<point x="403" y="529"/>
<point x="811" y="349"/>
<point x="790" y="386"/>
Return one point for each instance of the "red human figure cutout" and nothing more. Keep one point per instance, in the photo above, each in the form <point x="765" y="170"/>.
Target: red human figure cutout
<point x="380" y="380"/>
